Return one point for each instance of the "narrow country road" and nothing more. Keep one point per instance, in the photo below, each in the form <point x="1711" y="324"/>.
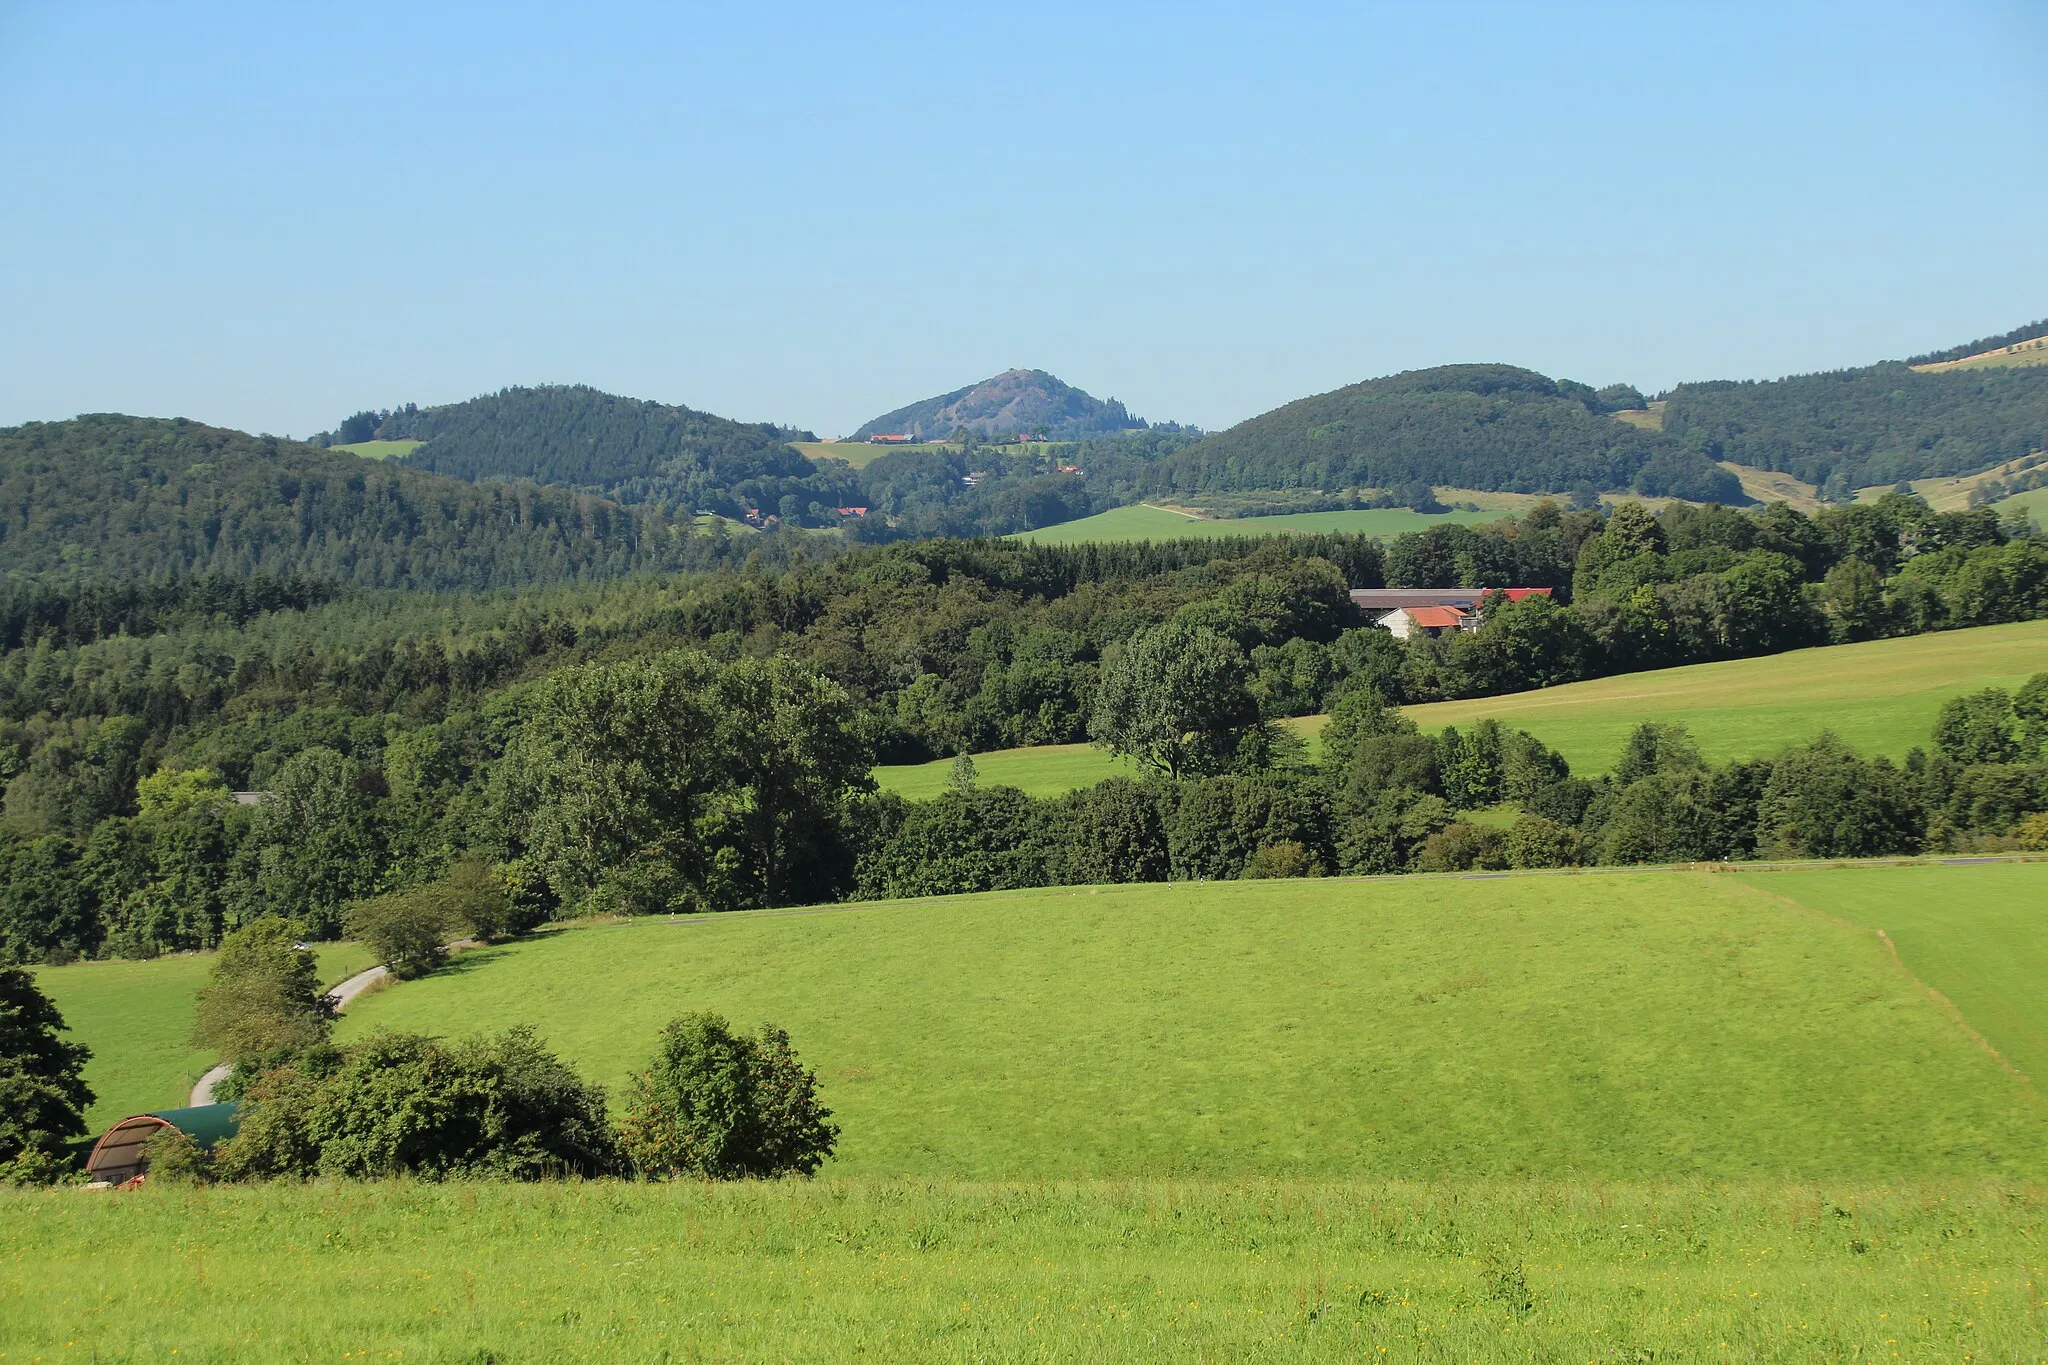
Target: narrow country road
<point x="338" y="997"/>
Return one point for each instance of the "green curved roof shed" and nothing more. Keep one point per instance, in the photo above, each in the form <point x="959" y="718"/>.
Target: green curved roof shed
<point x="121" y="1153"/>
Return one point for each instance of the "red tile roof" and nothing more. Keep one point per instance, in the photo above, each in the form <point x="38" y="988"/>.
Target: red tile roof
<point x="1435" y="616"/>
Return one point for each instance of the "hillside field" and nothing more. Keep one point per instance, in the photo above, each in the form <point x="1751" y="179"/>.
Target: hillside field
<point x="2034" y="502"/>
<point x="1621" y="1025"/>
<point x="380" y="450"/>
<point x="137" y="1018"/>
<point x="1141" y="521"/>
<point x="1882" y="696"/>
<point x="2033" y="352"/>
<point x="1658" y="1114"/>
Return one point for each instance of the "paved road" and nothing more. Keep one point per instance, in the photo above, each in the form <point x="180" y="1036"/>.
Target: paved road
<point x="338" y="997"/>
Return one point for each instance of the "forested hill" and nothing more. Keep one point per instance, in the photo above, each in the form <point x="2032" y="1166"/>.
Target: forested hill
<point x="1015" y="402"/>
<point x="626" y="449"/>
<point x="120" y="498"/>
<point x="1492" y="427"/>
<point x="1876" y="425"/>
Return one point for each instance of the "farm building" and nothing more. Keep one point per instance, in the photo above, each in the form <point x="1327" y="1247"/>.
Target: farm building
<point x="121" y="1154"/>
<point x="1404" y="612"/>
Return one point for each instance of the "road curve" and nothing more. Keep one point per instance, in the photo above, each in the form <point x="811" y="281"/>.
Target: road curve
<point x="337" y="997"/>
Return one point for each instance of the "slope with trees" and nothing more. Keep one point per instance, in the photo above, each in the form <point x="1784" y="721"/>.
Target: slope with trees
<point x="1492" y="427"/>
<point x="1013" y="403"/>
<point x="626" y="449"/>
<point x="120" y="499"/>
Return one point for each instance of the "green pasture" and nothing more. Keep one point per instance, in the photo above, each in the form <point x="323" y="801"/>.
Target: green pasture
<point x="137" y="1018"/>
<point x="1047" y="770"/>
<point x="2034" y="502"/>
<point x="1976" y="934"/>
<point x="1626" y="1025"/>
<point x="380" y="450"/>
<point x="1881" y="696"/>
<point x="925" y="1270"/>
<point x="1141" y="521"/>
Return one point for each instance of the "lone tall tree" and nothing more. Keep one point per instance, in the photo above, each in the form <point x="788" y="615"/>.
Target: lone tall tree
<point x="264" y="996"/>
<point x="43" y="1096"/>
<point x="1176" y="699"/>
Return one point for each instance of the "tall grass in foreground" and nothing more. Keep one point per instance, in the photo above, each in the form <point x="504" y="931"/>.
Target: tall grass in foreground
<point x="1129" y="1271"/>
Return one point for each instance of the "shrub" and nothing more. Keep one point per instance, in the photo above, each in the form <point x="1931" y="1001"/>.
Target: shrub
<point x="723" y="1106"/>
<point x="2033" y="833"/>
<point x="273" y="1141"/>
<point x="43" y="1096"/>
<point x="175" y="1159"/>
<point x="1536" y="842"/>
<point x="1462" y="847"/>
<point x="404" y="1104"/>
<point x="404" y="928"/>
<point x="1288" y="859"/>
<point x="263" y="996"/>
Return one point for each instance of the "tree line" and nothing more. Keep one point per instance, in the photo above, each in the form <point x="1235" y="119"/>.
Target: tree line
<point x="396" y="735"/>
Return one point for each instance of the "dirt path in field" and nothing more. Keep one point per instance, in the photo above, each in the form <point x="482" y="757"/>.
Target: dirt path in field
<point x="337" y="996"/>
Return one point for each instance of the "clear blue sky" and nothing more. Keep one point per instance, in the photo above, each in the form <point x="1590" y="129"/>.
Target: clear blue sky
<point x="267" y="216"/>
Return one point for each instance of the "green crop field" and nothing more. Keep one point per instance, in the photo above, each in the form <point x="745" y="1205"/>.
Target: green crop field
<point x="1144" y="522"/>
<point x="1624" y="1025"/>
<point x="137" y="1018"/>
<point x="380" y="450"/>
<point x="1881" y="696"/>
<point x="920" y="1270"/>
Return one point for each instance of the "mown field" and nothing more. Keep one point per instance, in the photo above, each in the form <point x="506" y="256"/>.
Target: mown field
<point x="1627" y="1025"/>
<point x="926" y="1270"/>
<point x="137" y="1018"/>
<point x="1881" y="696"/>
<point x="1143" y="522"/>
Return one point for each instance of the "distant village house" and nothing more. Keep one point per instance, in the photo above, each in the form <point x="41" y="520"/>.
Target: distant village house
<point x="1406" y="612"/>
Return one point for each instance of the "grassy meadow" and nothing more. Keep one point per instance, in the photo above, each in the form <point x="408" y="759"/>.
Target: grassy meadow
<point x="1632" y="1025"/>
<point x="1142" y="521"/>
<point x="2025" y="353"/>
<point x="1663" y="1114"/>
<point x="1976" y="934"/>
<point x="2034" y="502"/>
<point x="924" y="1270"/>
<point x="380" y="450"/>
<point x="1882" y="696"/>
<point x="137" y="1018"/>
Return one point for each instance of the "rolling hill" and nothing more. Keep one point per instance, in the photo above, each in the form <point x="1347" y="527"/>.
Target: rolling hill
<point x="625" y="449"/>
<point x="1490" y="427"/>
<point x="1015" y="402"/>
<point x="117" y="497"/>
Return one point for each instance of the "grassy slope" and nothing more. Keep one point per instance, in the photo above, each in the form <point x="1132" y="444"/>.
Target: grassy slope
<point x="2034" y="502"/>
<point x="137" y="1018"/>
<point x="1621" y="1025"/>
<point x="929" y="1271"/>
<point x="1881" y="696"/>
<point x="380" y="450"/>
<point x="1976" y="934"/>
<point x="2026" y="353"/>
<point x="1140" y="522"/>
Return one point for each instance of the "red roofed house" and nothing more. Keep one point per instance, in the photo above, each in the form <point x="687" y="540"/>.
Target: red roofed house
<point x="1431" y="611"/>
